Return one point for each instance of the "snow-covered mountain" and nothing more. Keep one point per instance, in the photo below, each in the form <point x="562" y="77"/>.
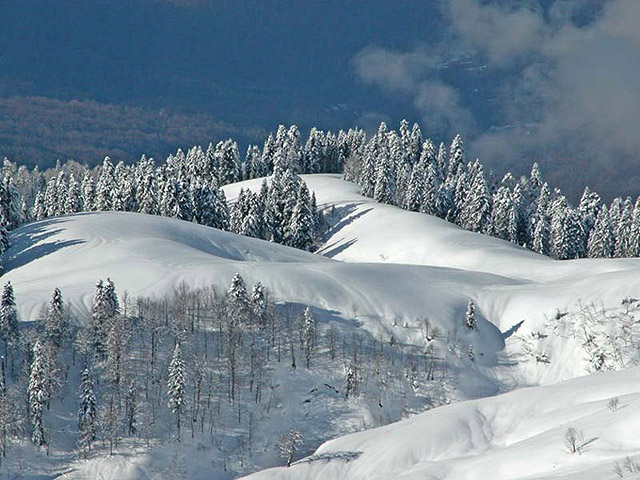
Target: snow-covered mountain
<point x="380" y="272"/>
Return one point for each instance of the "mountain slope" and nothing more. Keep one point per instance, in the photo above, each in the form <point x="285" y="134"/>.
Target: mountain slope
<point x="519" y="435"/>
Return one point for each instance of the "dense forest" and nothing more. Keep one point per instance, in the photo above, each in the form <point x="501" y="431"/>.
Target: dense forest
<point x="396" y="167"/>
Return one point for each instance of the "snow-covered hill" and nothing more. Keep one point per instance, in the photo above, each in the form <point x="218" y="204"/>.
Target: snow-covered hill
<point x="515" y="436"/>
<point x="380" y="266"/>
<point x="380" y="273"/>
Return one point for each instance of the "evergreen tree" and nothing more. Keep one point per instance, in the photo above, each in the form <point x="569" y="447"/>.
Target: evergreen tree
<point x="383" y="191"/>
<point x="415" y="196"/>
<point x="228" y="162"/>
<point x="87" y="412"/>
<point x="542" y="228"/>
<point x="169" y="205"/>
<point x="37" y="393"/>
<point x="470" y="316"/>
<point x="73" y="200"/>
<point x="476" y="210"/>
<point x="237" y="298"/>
<point x="601" y="240"/>
<point x="622" y="230"/>
<point x="88" y="193"/>
<point x="106" y="188"/>
<point x="634" y="240"/>
<point x="56" y="325"/>
<point x="148" y="190"/>
<point x="503" y="224"/>
<point x="9" y="330"/>
<point x="302" y="221"/>
<point x="103" y="310"/>
<point x="259" y="304"/>
<point x="176" y="387"/>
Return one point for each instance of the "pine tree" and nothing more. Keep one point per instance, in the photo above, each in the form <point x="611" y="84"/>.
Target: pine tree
<point x="456" y="157"/>
<point x="106" y="187"/>
<point x="470" y="316"/>
<point x="73" y="200"/>
<point x="39" y="211"/>
<point x="88" y="193"/>
<point x="622" y="230"/>
<point x="237" y="298"/>
<point x="9" y="329"/>
<point x="176" y="386"/>
<point x="228" y="162"/>
<point x="56" y="324"/>
<point x="302" y="222"/>
<point x="51" y="199"/>
<point x="415" y="196"/>
<point x="541" y="242"/>
<point x="502" y="223"/>
<point x="37" y="393"/>
<point x="259" y="304"/>
<point x="169" y="205"/>
<point x="87" y="412"/>
<point x="148" y="191"/>
<point x="634" y="240"/>
<point x="103" y="310"/>
<point x="601" y="240"/>
<point x="476" y="209"/>
<point x="383" y="192"/>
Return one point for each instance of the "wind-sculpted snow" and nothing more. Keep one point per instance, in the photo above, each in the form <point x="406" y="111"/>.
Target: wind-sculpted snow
<point x="519" y="435"/>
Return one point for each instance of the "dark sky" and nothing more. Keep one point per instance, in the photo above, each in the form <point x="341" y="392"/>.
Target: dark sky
<point x="553" y="81"/>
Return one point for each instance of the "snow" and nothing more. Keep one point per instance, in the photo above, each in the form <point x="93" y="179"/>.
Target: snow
<point x="379" y="267"/>
<point x="518" y="435"/>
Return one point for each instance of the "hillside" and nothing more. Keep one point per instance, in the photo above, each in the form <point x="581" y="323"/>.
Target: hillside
<point x="519" y="435"/>
<point x="380" y="273"/>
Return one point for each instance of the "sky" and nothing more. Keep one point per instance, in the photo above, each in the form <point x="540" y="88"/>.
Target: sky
<point x="552" y="81"/>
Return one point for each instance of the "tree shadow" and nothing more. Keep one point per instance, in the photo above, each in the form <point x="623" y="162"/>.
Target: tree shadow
<point x="346" y="216"/>
<point x="28" y="243"/>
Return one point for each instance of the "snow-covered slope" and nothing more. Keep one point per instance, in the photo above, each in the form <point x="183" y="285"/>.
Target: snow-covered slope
<point x="150" y="255"/>
<point x="537" y="286"/>
<point x="515" y="436"/>
<point x="366" y="231"/>
<point x="381" y="271"/>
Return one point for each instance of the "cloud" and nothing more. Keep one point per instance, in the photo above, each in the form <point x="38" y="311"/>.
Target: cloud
<point x="502" y="33"/>
<point x="394" y="71"/>
<point x="415" y="73"/>
<point x="565" y="84"/>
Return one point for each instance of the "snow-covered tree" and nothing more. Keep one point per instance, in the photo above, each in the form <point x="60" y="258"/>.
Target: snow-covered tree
<point x="301" y="228"/>
<point x="106" y="187"/>
<point x="9" y="330"/>
<point x="289" y="444"/>
<point x="309" y="334"/>
<point x="56" y="323"/>
<point x="601" y="240"/>
<point x="176" y="387"/>
<point x="470" y="316"/>
<point x="37" y="393"/>
<point x="87" y="412"/>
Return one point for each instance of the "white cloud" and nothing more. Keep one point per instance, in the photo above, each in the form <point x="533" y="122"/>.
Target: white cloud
<point x="568" y="90"/>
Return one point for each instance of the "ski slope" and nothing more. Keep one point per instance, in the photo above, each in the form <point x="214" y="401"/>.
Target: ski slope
<point x="515" y="436"/>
